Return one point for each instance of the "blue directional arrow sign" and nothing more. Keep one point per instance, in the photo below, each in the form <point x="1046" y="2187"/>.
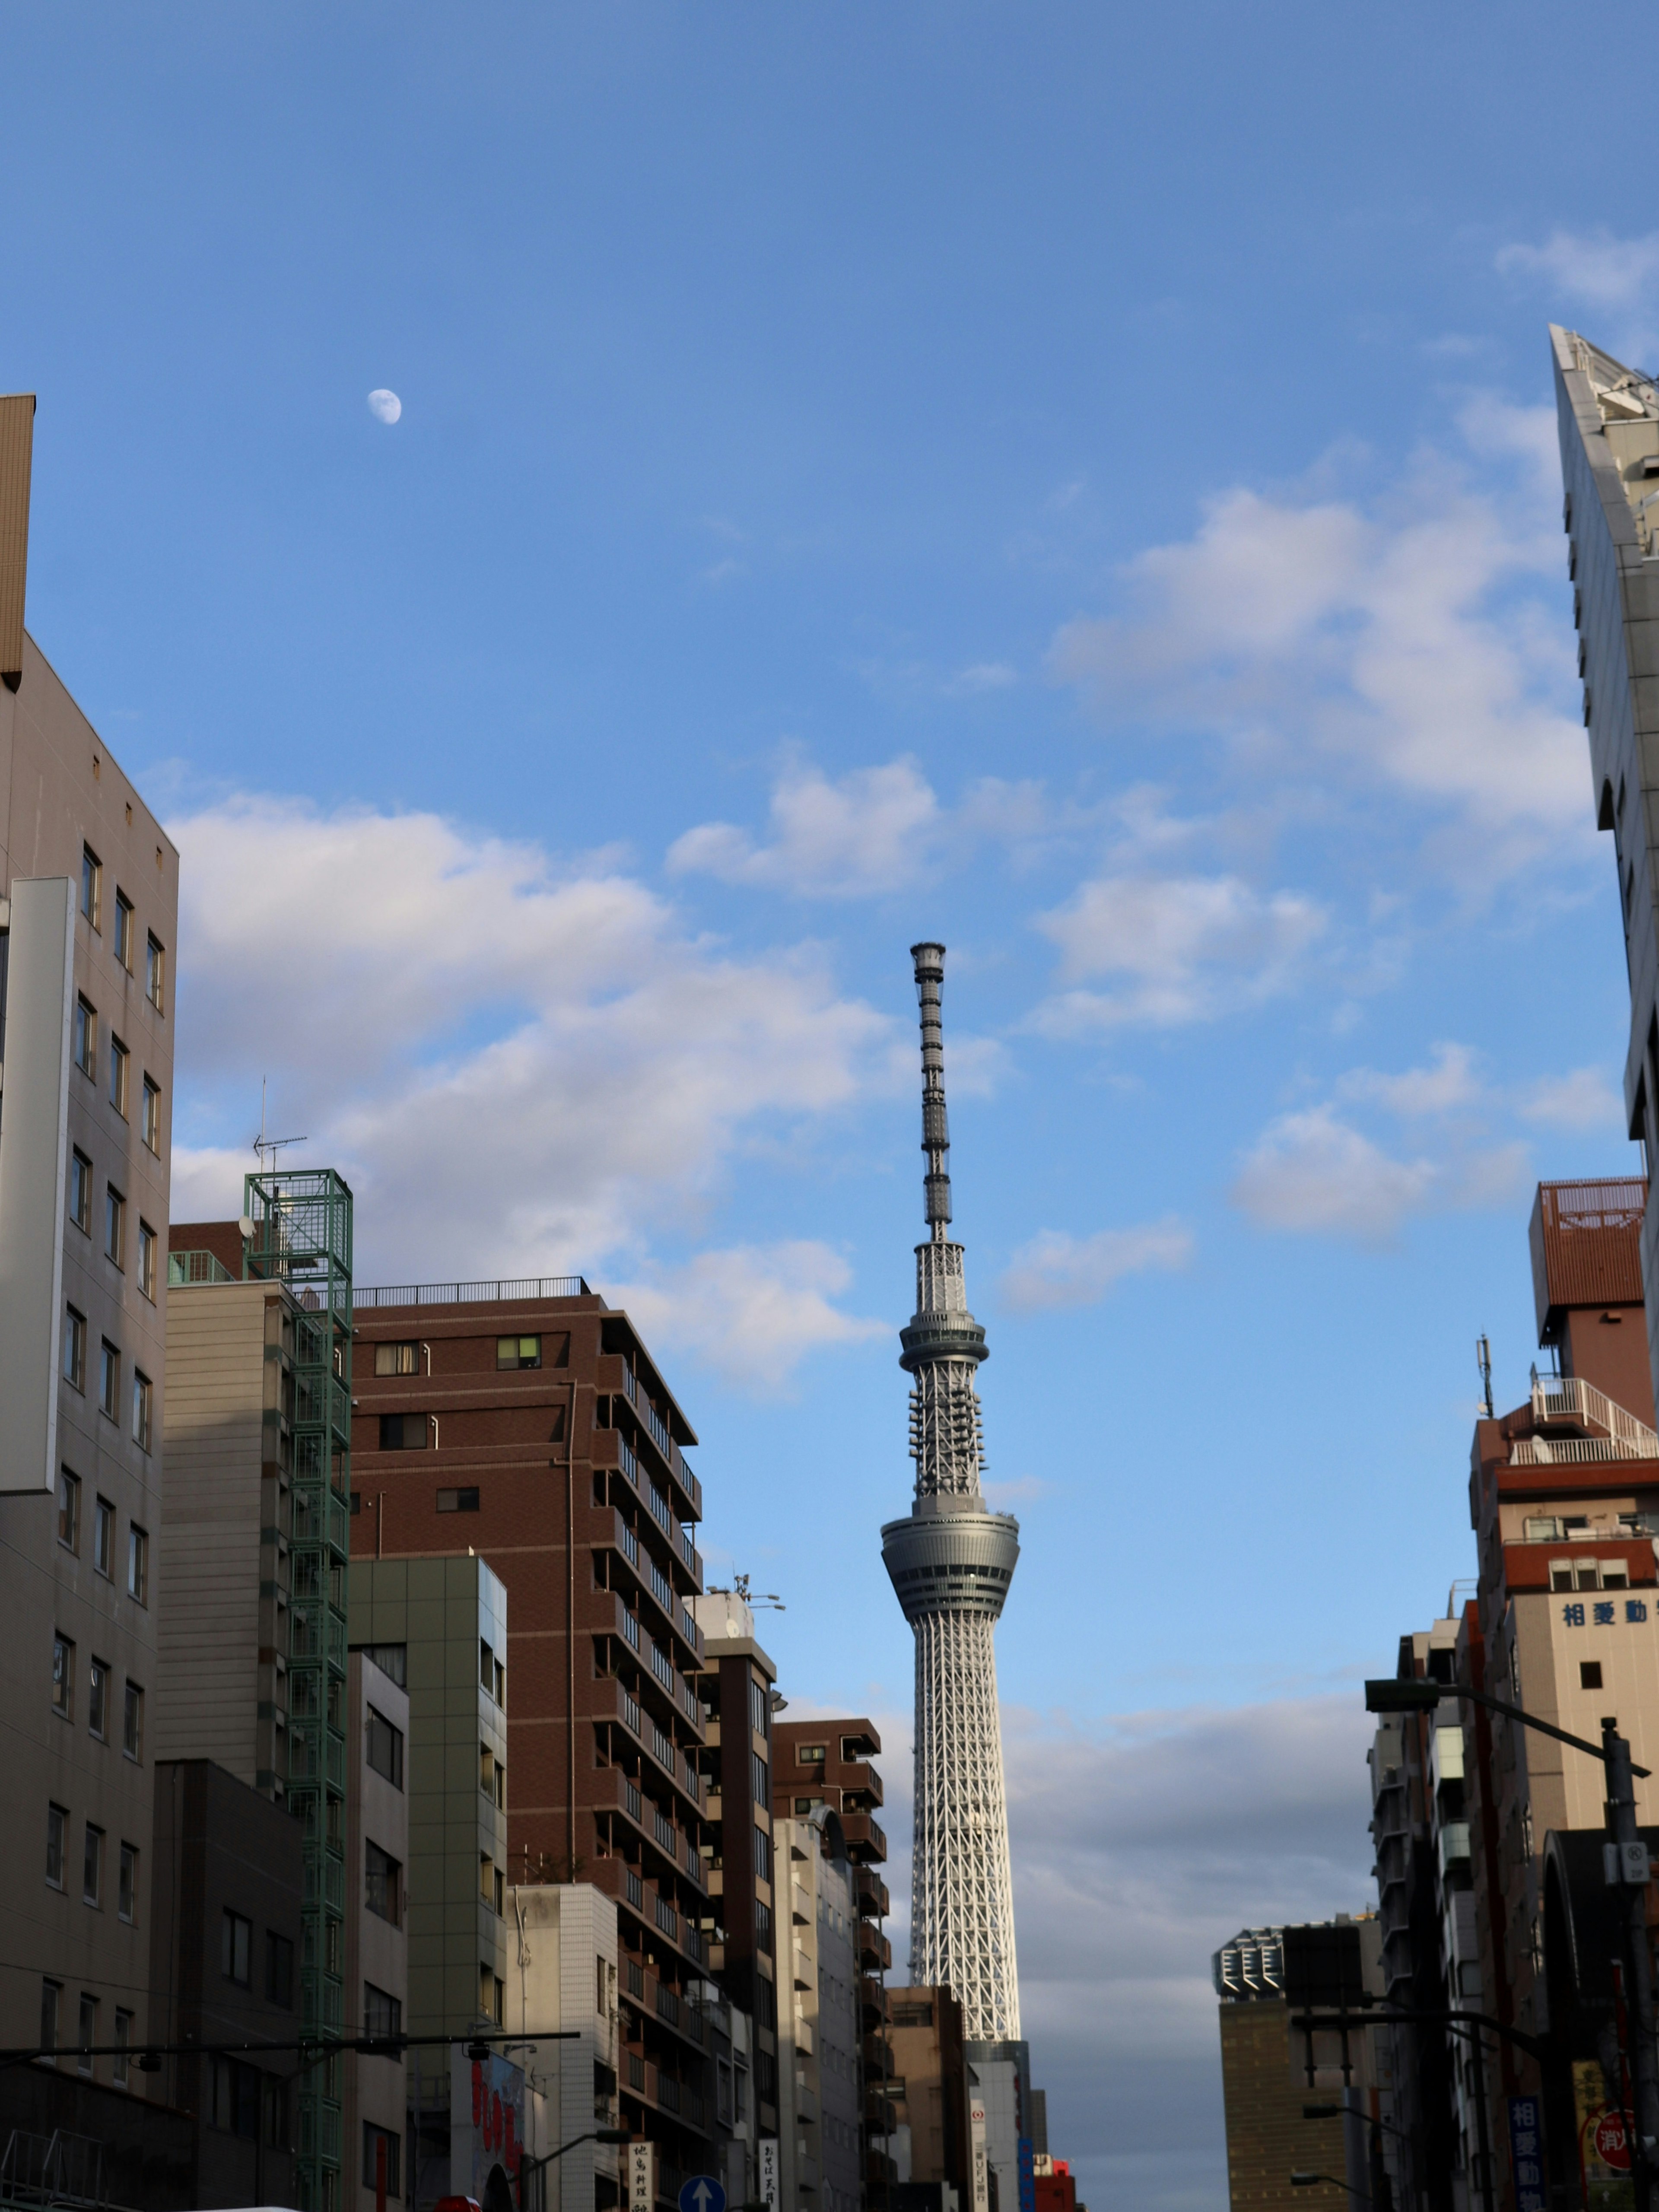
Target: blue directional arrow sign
<point x="700" y="2194"/>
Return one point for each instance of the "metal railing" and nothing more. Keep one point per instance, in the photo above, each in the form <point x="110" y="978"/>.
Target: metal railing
<point x="1569" y="1398"/>
<point x="465" y="1294"/>
<point x="191" y="1268"/>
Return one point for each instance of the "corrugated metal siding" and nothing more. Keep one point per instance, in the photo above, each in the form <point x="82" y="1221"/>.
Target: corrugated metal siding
<point x="1586" y="1240"/>
<point x="16" y="450"/>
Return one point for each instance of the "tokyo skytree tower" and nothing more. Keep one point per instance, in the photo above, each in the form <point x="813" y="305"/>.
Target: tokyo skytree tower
<point x="951" y="1562"/>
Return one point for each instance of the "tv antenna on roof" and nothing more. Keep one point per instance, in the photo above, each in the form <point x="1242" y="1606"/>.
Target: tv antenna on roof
<point x="1483" y="1360"/>
<point x="265" y="1148"/>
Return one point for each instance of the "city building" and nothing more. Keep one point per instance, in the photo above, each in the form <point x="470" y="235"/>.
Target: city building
<point x="1608" y="422"/>
<point x="735" y="1687"/>
<point x="827" y="1762"/>
<point x="823" y="2017"/>
<point x="563" y="1976"/>
<point x="373" y="2094"/>
<point x="1564" y="1497"/>
<point x="928" y="2091"/>
<point x="228" y="1897"/>
<point x="528" y="1422"/>
<point x="951" y="1562"/>
<point x="254" y="1658"/>
<point x="436" y="1629"/>
<point x="1055" y="2187"/>
<point x="88" y="913"/>
<point x="1264" y="2090"/>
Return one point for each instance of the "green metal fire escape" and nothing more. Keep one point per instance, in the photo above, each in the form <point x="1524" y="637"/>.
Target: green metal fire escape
<point x="302" y="1238"/>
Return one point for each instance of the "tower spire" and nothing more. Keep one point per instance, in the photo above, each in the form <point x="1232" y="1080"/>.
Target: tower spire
<point x="935" y="1123"/>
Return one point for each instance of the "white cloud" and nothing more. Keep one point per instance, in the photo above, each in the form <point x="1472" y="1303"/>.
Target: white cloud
<point x="521" y="1069"/>
<point x="752" y="1314"/>
<point x="873" y="831"/>
<point x="1585" y="1099"/>
<point x="1187" y="947"/>
<point x="1594" y="266"/>
<point x="1401" y="641"/>
<point x="985" y="675"/>
<point x="1450" y="1082"/>
<point x="1315" y="1174"/>
<point x="870" y="831"/>
<point x="1057" y="1269"/>
<point x="1023" y="1490"/>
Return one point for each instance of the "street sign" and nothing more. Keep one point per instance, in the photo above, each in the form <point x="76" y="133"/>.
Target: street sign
<point x="641" y="2175"/>
<point x="700" y="2194"/>
<point x="1611" y="2147"/>
<point x="767" y="2147"/>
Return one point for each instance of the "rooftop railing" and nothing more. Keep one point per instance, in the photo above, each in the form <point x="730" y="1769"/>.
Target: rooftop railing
<point x="466" y="1294"/>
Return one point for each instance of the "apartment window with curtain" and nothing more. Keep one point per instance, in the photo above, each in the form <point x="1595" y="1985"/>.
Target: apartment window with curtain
<point x="75" y="1348"/>
<point x="62" y="1677"/>
<point x="132" y="1723"/>
<point x="92" y="1867"/>
<point x="123" y="929"/>
<point x="142" y="1396"/>
<point x="109" y="1381"/>
<point x="146" y="1250"/>
<point x="79" y="1193"/>
<point x="86" y="1038"/>
<point x="120" y="1060"/>
<point x="69" y="1510"/>
<point x="92" y="887"/>
<point x="155" y="961"/>
<point x="152" y="1124"/>
<point x="57" y="1843"/>
<point x="115" y="1226"/>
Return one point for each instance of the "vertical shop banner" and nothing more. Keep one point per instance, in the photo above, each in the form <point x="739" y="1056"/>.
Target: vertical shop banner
<point x="486" y="2124"/>
<point x="1526" y="2154"/>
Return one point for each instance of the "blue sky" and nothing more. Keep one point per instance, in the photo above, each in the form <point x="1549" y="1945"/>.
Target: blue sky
<point x="1073" y="482"/>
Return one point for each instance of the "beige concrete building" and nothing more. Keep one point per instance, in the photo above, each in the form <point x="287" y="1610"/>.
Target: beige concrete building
<point x="226" y="1517"/>
<point x="88" y="913"/>
<point x="562" y="1975"/>
<point x="376" y="1933"/>
<point x="819" y="2150"/>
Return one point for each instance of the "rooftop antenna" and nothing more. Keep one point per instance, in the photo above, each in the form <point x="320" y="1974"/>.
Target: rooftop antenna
<point x="263" y="1145"/>
<point x="1483" y="1360"/>
<point x="757" y="1600"/>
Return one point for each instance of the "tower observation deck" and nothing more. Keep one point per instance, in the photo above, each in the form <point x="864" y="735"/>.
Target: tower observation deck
<point x="951" y="1562"/>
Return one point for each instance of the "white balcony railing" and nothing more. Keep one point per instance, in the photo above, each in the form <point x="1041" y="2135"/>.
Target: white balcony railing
<point x="1569" y="1398"/>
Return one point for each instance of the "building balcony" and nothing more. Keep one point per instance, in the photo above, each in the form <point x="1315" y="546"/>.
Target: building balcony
<point x="879" y="2171"/>
<point x="872" y="1899"/>
<point x="875" y="1951"/>
<point x="866" y="1845"/>
<point x="878" y="2058"/>
<point x="858" y="1780"/>
<point x="873" y="2001"/>
<point x="880" y="2113"/>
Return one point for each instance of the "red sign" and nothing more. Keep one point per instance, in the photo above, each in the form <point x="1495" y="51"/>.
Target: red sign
<point x="1611" y="2147"/>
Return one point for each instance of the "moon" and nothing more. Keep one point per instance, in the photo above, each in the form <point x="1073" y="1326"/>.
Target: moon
<point x="385" y="406"/>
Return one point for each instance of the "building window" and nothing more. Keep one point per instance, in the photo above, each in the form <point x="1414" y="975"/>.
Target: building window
<point x="763" y="1926"/>
<point x="279" y="1970"/>
<point x="153" y="1116"/>
<point x="109" y="1380"/>
<point x="457" y="1501"/>
<point x="382" y="1883"/>
<point x="92" y="1867"/>
<point x="86" y="1038"/>
<point x="391" y="1659"/>
<point x="98" y="1698"/>
<point x="382" y="2014"/>
<point x="137" y="1563"/>
<point x="809" y="1754"/>
<point x="115" y="1225"/>
<point x="492" y="1995"/>
<point x="75" y="1348"/>
<point x="757" y="1781"/>
<point x="57" y="1840"/>
<point x="760" y="1707"/>
<point x="62" y="1677"/>
<point x="123" y="929"/>
<point x="517" y="1352"/>
<point x="123" y="2045"/>
<point x="126" y="1901"/>
<point x="763" y="1857"/>
<point x="236" y="1948"/>
<point x="385" y="1748"/>
<point x="146" y="1260"/>
<point x="92" y="887"/>
<point x="397" y="1359"/>
<point x="120" y="1059"/>
<point x="80" y="1192"/>
<point x="51" y="1992"/>
<point x="1590" y="1673"/>
<point x="69" y="1510"/>
<point x="381" y="2147"/>
<point x="235" y="2098"/>
<point x="155" y="961"/>
<point x="132" y="1723"/>
<point x="492" y="1884"/>
<point x="405" y="1431"/>
<point x="141" y="1409"/>
<point x="103" y="1537"/>
<point x="88" y="2032"/>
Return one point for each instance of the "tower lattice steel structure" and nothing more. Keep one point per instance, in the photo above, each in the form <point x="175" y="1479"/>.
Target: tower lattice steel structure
<point x="951" y="1562"/>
